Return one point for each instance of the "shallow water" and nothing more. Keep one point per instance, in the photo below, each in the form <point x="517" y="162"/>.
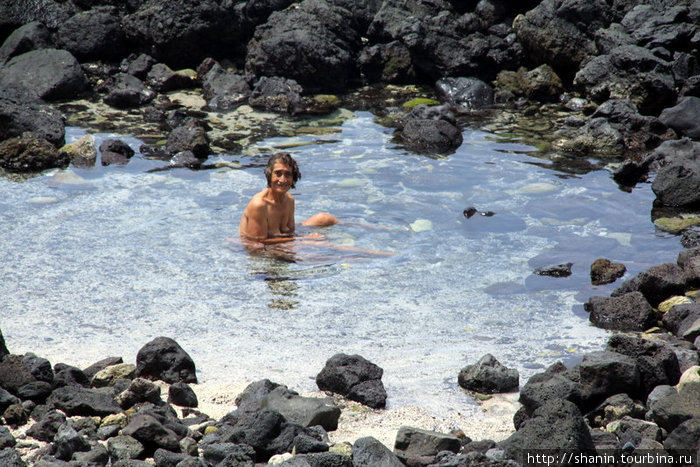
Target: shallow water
<point x="97" y="262"/>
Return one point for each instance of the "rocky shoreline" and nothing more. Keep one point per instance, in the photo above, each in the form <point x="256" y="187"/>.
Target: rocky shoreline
<point x="617" y="81"/>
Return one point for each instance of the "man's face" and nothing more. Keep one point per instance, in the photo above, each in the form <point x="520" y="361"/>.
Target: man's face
<point x="281" y="178"/>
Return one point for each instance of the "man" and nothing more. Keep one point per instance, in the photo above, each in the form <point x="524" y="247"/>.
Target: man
<point x="269" y="216"/>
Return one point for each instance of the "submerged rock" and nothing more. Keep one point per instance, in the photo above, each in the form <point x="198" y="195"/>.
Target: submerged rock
<point x="560" y="270"/>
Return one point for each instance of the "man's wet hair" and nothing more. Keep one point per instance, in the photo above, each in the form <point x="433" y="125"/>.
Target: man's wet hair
<point x="287" y="159"/>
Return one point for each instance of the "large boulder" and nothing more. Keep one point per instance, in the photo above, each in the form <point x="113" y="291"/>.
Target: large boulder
<point x="354" y="377"/>
<point x="656" y="283"/>
<point x="667" y="25"/>
<point x="684" y="117"/>
<point x="31" y="36"/>
<point x="674" y="405"/>
<point x="684" y="321"/>
<point x="95" y="34"/>
<point x="677" y="183"/>
<point x="431" y="136"/>
<point x="628" y="312"/>
<point x="557" y="426"/>
<point x="68" y="441"/>
<point x="685" y="438"/>
<point x="489" y="376"/>
<point x="629" y="72"/>
<point x="181" y="34"/>
<point x="311" y="42"/>
<point x="252" y="397"/>
<point x="164" y="359"/>
<point x="49" y="12"/>
<point x="604" y="374"/>
<point x="657" y="362"/>
<point x="15" y="373"/>
<point x="46" y="428"/>
<point x="430" y="129"/>
<point x="560" y="33"/>
<point x="443" y="41"/>
<point x="51" y="74"/>
<point x="553" y="384"/>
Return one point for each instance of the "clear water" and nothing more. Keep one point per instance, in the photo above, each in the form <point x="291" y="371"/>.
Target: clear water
<point x="97" y="262"/>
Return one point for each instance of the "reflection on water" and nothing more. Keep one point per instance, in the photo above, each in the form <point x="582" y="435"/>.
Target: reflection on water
<point x="100" y="261"/>
<point x="283" y="290"/>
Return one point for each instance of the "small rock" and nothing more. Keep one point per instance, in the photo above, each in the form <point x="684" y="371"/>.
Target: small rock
<point x="666" y="305"/>
<point x="489" y="376"/>
<point x="183" y="395"/>
<point x="354" y="377"/>
<point x="164" y="359"/>
<point x="604" y="271"/>
<point x="412" y="443"/>
<point x="560" y="270"/>
<point x="111" y="374"/>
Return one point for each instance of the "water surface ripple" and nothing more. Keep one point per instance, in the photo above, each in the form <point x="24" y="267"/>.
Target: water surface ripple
<point x="99" y="261"/>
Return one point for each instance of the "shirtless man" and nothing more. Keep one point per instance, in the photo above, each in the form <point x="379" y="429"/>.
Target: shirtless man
<point x="269" y="216"/>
